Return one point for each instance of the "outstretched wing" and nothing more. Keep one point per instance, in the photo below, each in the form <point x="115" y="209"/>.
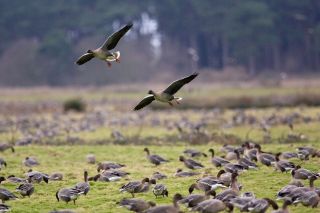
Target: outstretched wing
<point x="145" y="101"/>
<point x="176" y="85"/>
<point x="84" y="58"/>
<point x="113" y="40"/>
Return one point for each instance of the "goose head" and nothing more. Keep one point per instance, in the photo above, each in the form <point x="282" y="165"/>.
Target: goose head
<point x="151" y="92"/>
<point x="145" y="180"/>
<point x="147" y="151"/>
<point x="89" y="51"/>
<point x="182" y="159"/>
<point x="212" y="152"/>
<point x="192" y="187"/>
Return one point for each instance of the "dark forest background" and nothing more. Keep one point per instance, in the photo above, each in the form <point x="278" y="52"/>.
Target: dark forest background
<point x="41" y="39"/>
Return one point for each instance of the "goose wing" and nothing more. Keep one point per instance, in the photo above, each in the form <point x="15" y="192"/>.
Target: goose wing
<point x="113" y="40"/>
<point x="176" y="85"/>
<point x="84" y="58"/>
<point x="145" y="101"/>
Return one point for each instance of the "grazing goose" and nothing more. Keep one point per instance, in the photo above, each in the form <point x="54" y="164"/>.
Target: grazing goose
<point x="56" y="176"/>
<point x="191" y="164"/>
<point x="246" y="163"/>
<point x="193" y="200"/>
<point x="289" y="155"/>
<point x="4" y="208"/>
<point x="234" y="167"/>
<point x="217" y="161"/>
<point x="250" y="152"/>
<point x="158" y="176"/>
<point x="260" y="205"/>
<point x="206" y="184"/>
<point x="25" y="189"/>
<point x="14" y="179"/>
<point x="232" y="155"/>
<point x="167" y="95"/>
<point x="154" y="159"/>
<point x="284" y="208"/>
<point x="265" y="158"/>
<point x="3" y="163"/>
<point x="212" y="206"/>
<point x="68" y="194"/>
<point x="63" y="211"/>
<point x="109" y="165"/>
<point x="134" y="186"/>
<point x="194" y="153"/>
<point x="5" y="146"/>
<point x="302" y="174"/>
<point x="167" y="208"/>
<point x="233" y="192"/>
<point x="91" y="159"/>
<point x="160" y="190"/>
<point x="311" y="151"/>
<point x="228" y="148"/>
<point x="83" y="186"/>
<point x="36" y="177"/>
<point x="103" y="52"/>
<point x="2" y="179"/>
<point x="298" y="191"/>
<point x="30" y="162"/>
<point x="283" y="165"/>
<point x="224" y="177"/>
<point x="181" y="173"/>
<point x="242" y="201"/>
<point x="309" y="198"/>
<point x="286" y="191"/>
<point x="136" y="205"/>
<point x="6" y="195"/>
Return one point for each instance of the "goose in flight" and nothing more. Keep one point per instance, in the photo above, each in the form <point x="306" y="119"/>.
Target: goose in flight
<point x="104" y="52"/>
<point x="167" y="95"/>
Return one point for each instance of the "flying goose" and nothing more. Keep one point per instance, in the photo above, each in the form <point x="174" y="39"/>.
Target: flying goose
<point x="155" y="159"/>
<point x="136" y="205"/>
<point x="83" y="186"/>
<point x="68" y="194"/>
<point x="167" y="208"/>
<point x="6" y="195"/>
<point x="167" y="95"/>
<point x="191" y="164"/>
<point x="25" y="189"/>
<point x="103" y="52"/>
<point x="217" y="161"/>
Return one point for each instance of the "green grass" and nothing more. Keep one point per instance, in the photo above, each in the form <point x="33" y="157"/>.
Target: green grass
<point x="70" y="160"/>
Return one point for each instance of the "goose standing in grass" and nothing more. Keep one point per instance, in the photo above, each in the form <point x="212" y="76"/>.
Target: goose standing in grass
<point x="217" y="161"/>
<point x="230" y="193"/>
<point x="84" y="186"/>
<point x="194" y="153"/>
<point x="30" y="162"/>
<point x="265" y="158"/>
<point x="193" y="200"/>
<point x="167" y="208"/>
<point x="212" y="206"/>
<point x="68" y="194"/>
<point x="283" y="165"/>
<point x="4" y="208"/>
<point x="14" y="179"/>
<point x="56" y="176"/>
<point x="134" y="186"/>
<point x="242" y="201"/>
<point x="6" y="195"/>
<point x="309" y="198"/>
<point x="3" y="163"/>
<point x="167" y="95"/>
<point x="5" y="146"/>
<point x="91" y="159"/>
<point x="103" y="52"/>
<point x="250" y="151"/>
<point x="206" y="184"/>
<point x="234" y="167"/>
<point x="37" y="177"/>
<point x="261" y="205"/>
<point x="154" y="159"/>
<point x="181" y="173"/>
<point x="191" y="164"/>
<point x="109" y="165"/>
<point x="158" y="176"/>
<point x="302" y="174"/>
<point x="160" y="190"/>
<point x="25" y="189"/>
<point x="136" y="205"/>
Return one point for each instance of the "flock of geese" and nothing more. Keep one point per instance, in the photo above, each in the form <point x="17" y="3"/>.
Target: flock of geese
<point x="249" y="156"/>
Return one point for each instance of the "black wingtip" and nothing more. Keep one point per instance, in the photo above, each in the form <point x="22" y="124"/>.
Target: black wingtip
<point x="130" y="24"/>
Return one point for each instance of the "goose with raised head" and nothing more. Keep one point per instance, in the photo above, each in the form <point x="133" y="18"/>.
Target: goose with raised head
<point x="136" y="205"/>
<point x="167" y="208"/>
<point x="83" y="187"/>
<point x="104" y="52"/>
<point x="167" y="95"/>
<point x="154" y="159"/>
<point x="191" y="164"/>
<point x="217" y="161"/>
<point x="230" y="193"/>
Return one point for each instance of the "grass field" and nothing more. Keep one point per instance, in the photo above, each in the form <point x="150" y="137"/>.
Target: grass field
<point x="156" y="130"/>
